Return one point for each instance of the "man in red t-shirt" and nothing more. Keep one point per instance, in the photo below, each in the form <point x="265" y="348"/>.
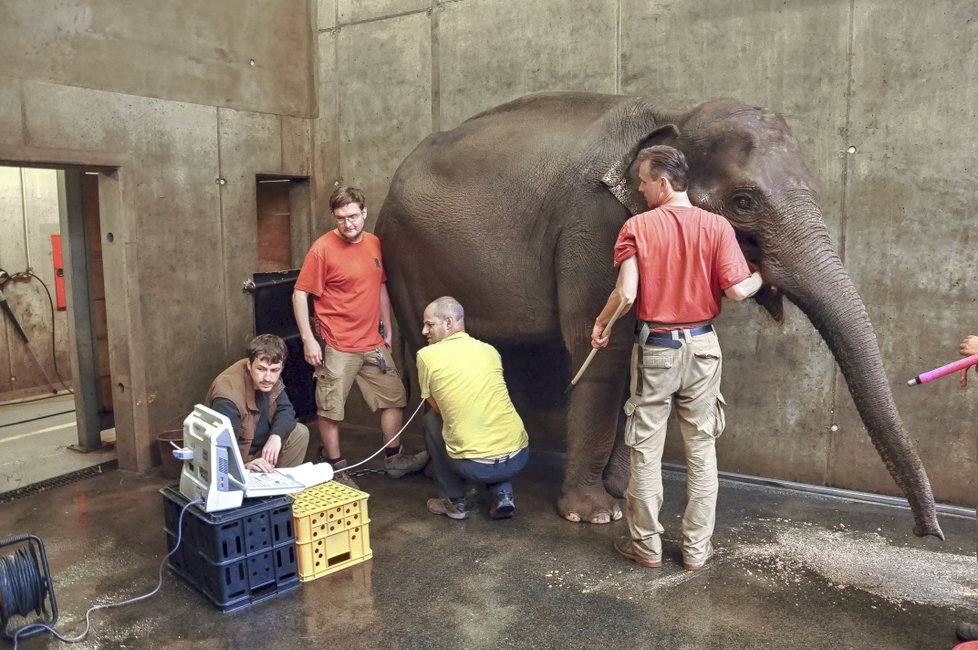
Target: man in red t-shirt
<point x="344" y="272"/>
<point x="675" y="262"/>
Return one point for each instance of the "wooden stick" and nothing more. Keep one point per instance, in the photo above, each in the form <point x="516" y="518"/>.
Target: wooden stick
<point x="606" y="332"/>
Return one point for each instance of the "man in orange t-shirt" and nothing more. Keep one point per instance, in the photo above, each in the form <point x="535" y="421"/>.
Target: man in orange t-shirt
<point x="344" y="273"/>
<point x="677" y="260"/>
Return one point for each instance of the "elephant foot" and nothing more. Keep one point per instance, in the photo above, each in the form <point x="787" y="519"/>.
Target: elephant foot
<point x="589" y="506"/>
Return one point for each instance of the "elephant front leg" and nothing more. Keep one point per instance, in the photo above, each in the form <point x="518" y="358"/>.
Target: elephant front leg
<point x="592" y="422"/>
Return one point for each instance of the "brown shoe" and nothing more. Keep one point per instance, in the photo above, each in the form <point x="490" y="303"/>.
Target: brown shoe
<point x="701" y="565"/>
<point x="343" y="478"/>
<point x="626" y="548"/>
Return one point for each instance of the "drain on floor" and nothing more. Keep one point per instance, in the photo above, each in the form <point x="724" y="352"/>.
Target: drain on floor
<point x="58" y="481"/>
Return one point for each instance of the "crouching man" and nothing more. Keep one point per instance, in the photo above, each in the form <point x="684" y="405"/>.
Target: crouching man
<point x="472" y="432"/>
<point x="251" y="394"/>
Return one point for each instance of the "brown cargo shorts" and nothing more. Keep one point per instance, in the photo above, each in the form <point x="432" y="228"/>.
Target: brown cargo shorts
<point x="335" y="377"/>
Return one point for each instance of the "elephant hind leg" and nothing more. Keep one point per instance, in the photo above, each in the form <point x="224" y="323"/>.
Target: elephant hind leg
<point x="618" y="472"/>
<point x="592" y="422"/>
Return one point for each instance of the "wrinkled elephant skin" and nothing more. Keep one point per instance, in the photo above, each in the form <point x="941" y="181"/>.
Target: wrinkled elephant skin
<point x="515" y="213"/>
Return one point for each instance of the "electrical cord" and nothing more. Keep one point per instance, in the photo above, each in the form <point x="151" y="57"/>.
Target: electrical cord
<point x="21" y="585"/>
<point x="29" y="273"/>
<point x="40" y="626"/>
<point x="54" y="352"/>
<point x="386" y="444"/>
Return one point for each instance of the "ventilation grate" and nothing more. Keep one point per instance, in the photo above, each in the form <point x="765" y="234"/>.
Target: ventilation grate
<point x="58" y="481"/>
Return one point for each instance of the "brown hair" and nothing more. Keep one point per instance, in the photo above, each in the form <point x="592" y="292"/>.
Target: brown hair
<point x="345" y="195"/>
<point x="666" y="161"/>
<point x="268" y="346"/>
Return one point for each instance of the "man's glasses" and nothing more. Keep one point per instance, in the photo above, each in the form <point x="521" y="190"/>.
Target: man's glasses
<point x="350" y="219"/>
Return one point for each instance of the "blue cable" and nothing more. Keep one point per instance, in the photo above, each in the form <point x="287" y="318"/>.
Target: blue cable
<point x="41" y="626"/>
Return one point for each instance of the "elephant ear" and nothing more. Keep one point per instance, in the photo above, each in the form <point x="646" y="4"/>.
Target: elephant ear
<point x="622" y="178"/>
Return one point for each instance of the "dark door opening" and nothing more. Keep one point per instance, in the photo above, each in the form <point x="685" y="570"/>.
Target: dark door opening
<point x="283" y="208"/>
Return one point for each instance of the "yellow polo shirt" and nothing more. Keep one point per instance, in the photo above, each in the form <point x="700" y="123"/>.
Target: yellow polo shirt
<point x="465" y="376"/>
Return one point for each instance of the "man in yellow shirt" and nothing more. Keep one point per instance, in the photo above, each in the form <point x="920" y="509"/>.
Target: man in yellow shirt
<point x="472" y="432"/>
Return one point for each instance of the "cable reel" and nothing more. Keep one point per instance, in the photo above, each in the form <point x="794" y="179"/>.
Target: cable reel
<point x="25" y="586"/>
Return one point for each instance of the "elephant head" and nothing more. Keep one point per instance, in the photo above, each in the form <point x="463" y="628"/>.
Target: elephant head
<point x="747" y="166"/>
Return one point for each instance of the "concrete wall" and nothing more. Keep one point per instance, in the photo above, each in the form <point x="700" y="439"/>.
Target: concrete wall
<point x="165" y="101"/>
<point x="895" y="84"/>
<point x="28" y="217"/>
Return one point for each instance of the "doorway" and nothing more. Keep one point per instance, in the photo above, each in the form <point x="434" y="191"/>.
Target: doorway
<point x="56" y="410"/>
<point x="283" y="210"/>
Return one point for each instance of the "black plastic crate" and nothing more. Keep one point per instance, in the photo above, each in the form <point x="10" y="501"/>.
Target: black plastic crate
<point x="255" y="542"/>
<point x="239" y="583"/>
<point x="230" y="534"/>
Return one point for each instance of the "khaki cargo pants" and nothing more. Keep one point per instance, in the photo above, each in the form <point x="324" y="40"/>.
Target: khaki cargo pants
<point x="374" y="373"/>
<point x="690" y="377"/>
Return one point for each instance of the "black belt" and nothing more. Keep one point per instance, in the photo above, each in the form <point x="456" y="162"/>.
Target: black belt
<point x="674" y="338"/>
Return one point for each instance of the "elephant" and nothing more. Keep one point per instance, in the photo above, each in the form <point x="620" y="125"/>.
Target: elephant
<point x="515" y="213"/>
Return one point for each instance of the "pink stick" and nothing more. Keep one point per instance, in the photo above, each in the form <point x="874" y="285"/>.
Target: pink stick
<point x="937" y="373"/>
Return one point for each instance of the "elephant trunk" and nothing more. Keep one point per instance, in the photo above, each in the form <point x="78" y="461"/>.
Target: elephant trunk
<point x="815" y="280"/>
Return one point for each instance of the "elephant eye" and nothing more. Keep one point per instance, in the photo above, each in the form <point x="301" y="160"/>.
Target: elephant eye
<point x="743" y="201"/>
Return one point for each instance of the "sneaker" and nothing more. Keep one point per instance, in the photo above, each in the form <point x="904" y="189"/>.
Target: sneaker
<point x="447" y="507"/>
<point x="699" y="565"/>
<point x="343" y="478"/>
<point x="401" y="464"/>
<point x="502" y="506"/>
<point x="625" y="547"/>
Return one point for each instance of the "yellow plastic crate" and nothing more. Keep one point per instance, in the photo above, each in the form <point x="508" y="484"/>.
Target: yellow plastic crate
<point x="331" y="529"/>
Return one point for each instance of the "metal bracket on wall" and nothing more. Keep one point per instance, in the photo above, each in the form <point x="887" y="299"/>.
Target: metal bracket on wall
<point x="106" y="445"/>
<point x="248" y="286"/>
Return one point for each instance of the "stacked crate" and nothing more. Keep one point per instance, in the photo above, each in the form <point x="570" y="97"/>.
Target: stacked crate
<point x="330" y="529"/>
<point x="236" y="557"/>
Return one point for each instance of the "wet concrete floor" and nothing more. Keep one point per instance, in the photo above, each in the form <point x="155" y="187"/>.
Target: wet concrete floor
<point x="35" y="440"/>
<point x="792" y="571"/>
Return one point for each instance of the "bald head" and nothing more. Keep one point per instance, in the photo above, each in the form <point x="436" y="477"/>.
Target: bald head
<point x="442" y="318"/>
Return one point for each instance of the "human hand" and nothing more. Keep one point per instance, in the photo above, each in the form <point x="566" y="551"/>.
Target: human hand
<point x="312" y="351"/>
<point x="598" y="339"/>
<point x="271" y="449"/>
<point x="260" y="465"/>
<point x="387" y="340"/>
<point x="969" y="346"/>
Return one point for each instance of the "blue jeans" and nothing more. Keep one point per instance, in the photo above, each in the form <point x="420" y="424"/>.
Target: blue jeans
<point x="449" y="471"/>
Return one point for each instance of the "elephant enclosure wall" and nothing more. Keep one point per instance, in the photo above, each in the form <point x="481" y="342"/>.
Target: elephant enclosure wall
<point x="180" y="105"/>
<point x="882" y="97"/>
